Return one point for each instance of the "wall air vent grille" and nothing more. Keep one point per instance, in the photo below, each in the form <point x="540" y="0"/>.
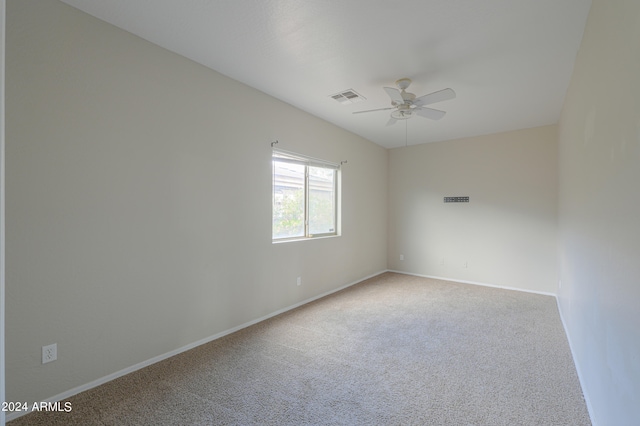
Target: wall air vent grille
<point x="456" y="199"/>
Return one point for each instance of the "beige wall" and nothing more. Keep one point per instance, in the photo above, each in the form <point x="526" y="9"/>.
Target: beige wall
<point x="599" y="212"/>
<point x="505" y="235"/>
<point x="139" y="201"/>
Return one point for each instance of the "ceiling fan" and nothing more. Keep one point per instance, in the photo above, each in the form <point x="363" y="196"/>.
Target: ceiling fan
<point x="406" y="105"/>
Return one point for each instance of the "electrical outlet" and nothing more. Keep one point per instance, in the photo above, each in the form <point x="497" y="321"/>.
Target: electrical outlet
<point x="442" y="262"/>
<point x="402" y="257"/>
<point x="49" y="353"/>
<point x="299" y="281"/>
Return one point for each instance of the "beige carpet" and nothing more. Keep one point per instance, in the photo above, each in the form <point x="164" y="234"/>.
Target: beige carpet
<point x="393" y="350"/>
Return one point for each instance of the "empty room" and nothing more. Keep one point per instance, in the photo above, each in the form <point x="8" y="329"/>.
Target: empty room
<point x="330" y="212"/>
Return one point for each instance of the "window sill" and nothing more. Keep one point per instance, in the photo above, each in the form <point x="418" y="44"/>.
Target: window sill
<point x="292" y="240"/>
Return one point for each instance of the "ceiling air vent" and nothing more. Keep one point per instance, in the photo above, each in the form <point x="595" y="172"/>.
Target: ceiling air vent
<point x="348" y="96"/>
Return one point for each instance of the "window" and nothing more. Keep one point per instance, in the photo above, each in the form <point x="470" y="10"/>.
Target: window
<point x="305" y="197"/>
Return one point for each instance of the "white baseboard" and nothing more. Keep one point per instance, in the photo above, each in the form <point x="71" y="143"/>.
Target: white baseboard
<point x="143" y="364"/>
<point x="577" y="365"/>
<point x="544" y="293"/>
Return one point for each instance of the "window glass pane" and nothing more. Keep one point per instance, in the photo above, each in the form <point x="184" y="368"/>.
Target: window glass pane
<point x="322" y="199"/>
<point x="288" y="200"/>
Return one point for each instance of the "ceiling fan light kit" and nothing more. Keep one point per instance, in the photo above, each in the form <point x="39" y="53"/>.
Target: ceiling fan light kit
<point x="401" y="114"/>
<point x="404" y="103"/>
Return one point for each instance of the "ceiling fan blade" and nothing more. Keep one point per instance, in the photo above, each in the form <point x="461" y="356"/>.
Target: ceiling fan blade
<point x="391" y="122"/>
<point x="432" y="98"/>
<point x="372" y="110"/>
<point x="434" y="114"/>
<point x="394" y="94"/>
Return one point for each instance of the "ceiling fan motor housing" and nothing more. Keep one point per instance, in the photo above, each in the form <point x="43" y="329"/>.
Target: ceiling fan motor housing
<point x="407" y="97"/>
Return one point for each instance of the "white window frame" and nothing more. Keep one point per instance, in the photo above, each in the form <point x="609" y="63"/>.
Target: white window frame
<point x="294" y="158"/>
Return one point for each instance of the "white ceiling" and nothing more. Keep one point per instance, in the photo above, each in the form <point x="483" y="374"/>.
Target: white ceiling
<point x="509" y="61"/>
